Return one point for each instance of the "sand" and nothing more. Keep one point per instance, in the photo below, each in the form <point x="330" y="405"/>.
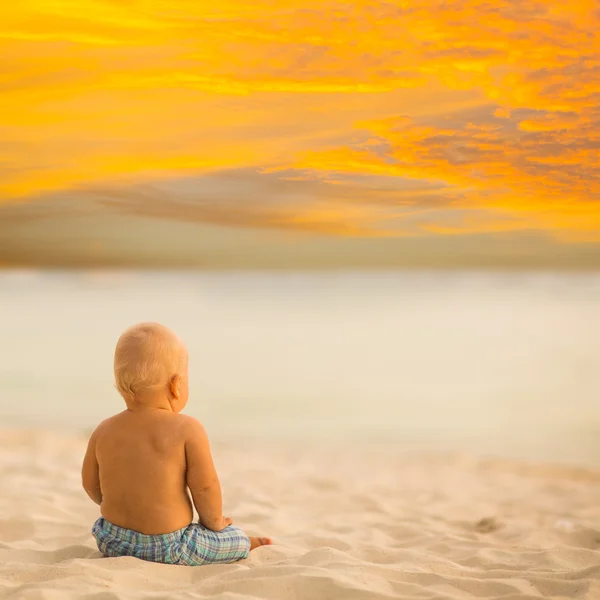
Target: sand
<point x="347" y="525"/>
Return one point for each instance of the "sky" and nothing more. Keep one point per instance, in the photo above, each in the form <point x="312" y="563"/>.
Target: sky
<point x="284" y="133"/>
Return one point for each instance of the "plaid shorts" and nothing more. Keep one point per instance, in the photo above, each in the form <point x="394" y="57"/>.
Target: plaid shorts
<point x="193" y="545"/>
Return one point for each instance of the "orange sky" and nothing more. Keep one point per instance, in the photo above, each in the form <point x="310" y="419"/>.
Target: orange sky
<point x="363" y="120"/>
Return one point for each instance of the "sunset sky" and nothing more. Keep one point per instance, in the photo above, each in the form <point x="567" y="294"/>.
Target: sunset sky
<point x="287" y="133"/>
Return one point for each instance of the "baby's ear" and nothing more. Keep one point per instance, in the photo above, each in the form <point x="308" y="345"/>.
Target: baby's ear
<point x="174" y="386"/>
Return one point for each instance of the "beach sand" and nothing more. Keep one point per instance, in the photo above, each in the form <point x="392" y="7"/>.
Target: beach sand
<point x="347" y="525"/>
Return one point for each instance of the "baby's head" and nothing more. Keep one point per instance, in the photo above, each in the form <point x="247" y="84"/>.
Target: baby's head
<point x="151" y="367"/>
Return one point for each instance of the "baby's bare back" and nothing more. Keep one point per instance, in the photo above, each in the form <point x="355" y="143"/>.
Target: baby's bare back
<point x="142" y="470"/>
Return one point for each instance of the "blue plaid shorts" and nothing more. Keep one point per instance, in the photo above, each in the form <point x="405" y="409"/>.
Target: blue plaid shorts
<point x="193" y="545"/>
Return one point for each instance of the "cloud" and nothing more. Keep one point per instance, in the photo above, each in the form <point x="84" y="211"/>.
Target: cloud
<point x="288" y="201"/>
<point x="358" y="119"/>
<point x="541" y="166"/>
<point x="100" y="236"/>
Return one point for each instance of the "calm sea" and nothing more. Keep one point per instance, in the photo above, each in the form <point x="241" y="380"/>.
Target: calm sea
<point x="487" y="363"/>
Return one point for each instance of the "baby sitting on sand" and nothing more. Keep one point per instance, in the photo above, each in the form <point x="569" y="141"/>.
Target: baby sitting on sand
<point x="140" y="464"/>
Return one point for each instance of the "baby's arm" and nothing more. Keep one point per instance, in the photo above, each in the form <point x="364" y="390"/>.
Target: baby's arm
<point x="202" y="478"/>
<point x="90" y="474"/>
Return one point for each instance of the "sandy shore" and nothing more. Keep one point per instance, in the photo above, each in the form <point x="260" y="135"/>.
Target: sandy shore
<point x="347" y="526"/>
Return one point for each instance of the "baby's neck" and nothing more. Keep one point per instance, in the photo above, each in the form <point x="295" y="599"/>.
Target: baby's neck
<point x="149" y="403"/>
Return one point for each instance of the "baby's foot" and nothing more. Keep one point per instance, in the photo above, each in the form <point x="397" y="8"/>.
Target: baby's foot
<point x="255" y="542"/>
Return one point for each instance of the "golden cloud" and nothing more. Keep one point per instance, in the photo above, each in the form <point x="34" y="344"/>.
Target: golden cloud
<point x="495" y="105"/>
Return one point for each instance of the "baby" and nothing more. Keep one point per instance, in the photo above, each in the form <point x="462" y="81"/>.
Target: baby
<point x="140" y="464"/>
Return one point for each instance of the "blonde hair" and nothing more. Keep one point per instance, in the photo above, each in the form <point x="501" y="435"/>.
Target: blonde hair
<point x="146" y="358"/>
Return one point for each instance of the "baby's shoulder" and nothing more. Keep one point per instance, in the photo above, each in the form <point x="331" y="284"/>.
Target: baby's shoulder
<point x="189" y="427"/>
<point x="168" y="425"/>
<point x="106" y="426"/>
<point x="187" y="423"/>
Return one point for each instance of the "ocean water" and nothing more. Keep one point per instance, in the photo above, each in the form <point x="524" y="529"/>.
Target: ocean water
<point x="504" y="364"/>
